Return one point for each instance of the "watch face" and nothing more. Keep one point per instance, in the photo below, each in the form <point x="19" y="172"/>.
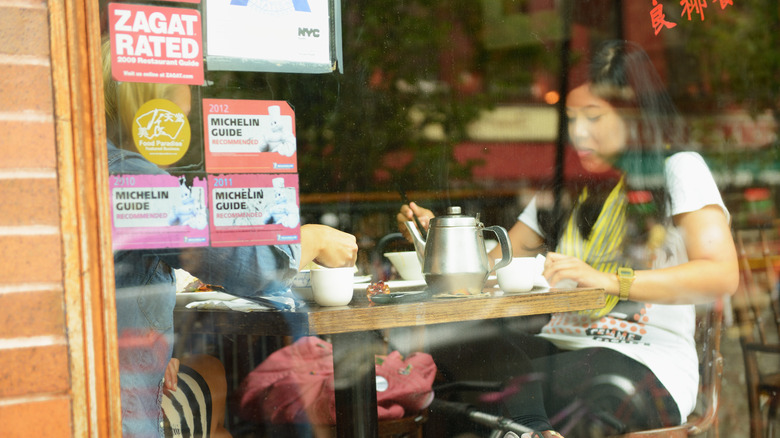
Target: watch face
<point x="625" y="272"/>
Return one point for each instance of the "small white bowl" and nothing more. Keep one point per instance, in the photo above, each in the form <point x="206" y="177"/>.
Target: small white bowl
<point x="407" y="264"/>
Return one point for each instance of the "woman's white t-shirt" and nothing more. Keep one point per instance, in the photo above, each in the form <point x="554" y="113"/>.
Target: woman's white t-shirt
<point x="659" y="336"/>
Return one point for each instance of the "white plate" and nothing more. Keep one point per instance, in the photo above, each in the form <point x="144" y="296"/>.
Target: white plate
<point x="361" y="279"/>
<point x="184" y="298"/>
<point x="397" y="285"/>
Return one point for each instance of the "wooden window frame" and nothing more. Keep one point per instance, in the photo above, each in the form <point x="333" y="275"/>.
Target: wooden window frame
<point x="84" y="214"/>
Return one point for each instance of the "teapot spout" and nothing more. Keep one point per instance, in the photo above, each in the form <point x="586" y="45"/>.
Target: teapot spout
<point x="417" y="239"/>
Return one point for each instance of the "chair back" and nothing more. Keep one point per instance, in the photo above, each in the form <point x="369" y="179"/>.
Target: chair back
<point x="704" y="419"/>
<point x="757" y="315"/>
<point x="756" y="306"/>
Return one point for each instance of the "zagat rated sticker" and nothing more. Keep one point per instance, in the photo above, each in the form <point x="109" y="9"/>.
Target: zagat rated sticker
<point x="161" y="132"/>
<point x="155" y="44"/>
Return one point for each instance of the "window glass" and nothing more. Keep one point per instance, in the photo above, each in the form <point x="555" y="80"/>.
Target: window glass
<point x="255" y="146"/>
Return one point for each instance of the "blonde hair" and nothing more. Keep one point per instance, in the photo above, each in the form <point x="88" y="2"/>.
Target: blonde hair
<point x="124" y="99"/>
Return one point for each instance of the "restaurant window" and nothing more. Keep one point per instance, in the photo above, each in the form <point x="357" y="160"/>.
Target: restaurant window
<point x="235" y="127"/>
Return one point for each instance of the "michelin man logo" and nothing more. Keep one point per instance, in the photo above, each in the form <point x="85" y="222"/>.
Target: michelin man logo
<point x="189" y="210"/>
<point x="283" y="210"/>
<point x="278" y="138"/>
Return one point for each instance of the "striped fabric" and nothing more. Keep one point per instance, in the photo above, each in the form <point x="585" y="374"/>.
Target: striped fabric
<point x="187" y="411"/>
<point x="603" y="250"/>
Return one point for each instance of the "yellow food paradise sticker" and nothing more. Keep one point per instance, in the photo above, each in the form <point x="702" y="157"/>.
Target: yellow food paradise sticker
<point x="161" y="132"/>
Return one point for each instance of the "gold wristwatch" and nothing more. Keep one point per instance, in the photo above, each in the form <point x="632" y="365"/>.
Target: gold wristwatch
<point x="626" y="277"/>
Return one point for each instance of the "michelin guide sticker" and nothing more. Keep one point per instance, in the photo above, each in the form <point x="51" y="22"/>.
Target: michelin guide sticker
<point x="158" y="211"/>
<point x="155" y="44"/>
<point x="254" y="209"/>
<point x="249" y="136"/>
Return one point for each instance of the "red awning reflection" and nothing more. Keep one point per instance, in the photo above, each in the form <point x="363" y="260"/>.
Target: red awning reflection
<point x="502" y="162"/>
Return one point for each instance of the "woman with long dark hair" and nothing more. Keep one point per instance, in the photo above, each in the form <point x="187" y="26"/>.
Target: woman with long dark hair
<point x="646" y="224"/>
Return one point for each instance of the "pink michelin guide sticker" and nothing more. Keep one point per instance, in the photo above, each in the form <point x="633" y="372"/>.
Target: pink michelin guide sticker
<point x="254" y="209"/>
<point x="158" y="211"/>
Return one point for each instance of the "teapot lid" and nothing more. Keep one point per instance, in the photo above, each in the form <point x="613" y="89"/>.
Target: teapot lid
<point x="454" y="218"/>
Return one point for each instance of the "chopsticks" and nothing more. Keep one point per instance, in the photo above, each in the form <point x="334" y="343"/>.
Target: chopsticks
<point x="405" y="200"/>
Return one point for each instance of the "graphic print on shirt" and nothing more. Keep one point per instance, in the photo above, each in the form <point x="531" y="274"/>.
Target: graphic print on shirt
<point x="626" y="323"/>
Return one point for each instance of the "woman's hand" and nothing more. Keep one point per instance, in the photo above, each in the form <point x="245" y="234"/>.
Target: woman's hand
<point x="407" y="213"/>
<point x="327" y="246"/>
<point x="171" y="375"/>
<point x="559" y="267"/>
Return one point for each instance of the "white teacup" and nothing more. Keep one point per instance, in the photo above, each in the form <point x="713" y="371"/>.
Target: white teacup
<point x="332" y="286"/>
<point x="520" y="274"/>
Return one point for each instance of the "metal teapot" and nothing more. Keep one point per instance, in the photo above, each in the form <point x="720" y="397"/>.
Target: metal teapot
<point x="453" y="256"/>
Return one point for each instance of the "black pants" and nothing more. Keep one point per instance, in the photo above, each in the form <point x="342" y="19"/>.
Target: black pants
<point x="591" y="392"/>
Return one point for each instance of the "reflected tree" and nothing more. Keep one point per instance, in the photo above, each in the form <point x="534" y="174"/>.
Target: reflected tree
<point x="414" y="75"/>
<point x="396" y="90"/>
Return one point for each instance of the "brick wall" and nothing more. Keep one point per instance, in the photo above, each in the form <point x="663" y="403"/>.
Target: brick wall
<point x="35" y="394"/>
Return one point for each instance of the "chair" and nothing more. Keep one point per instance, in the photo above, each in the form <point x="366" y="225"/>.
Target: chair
<point x="757" y="314"/>
<point x="704" y="419"/>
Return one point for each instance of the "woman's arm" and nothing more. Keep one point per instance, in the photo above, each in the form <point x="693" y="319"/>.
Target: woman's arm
<point x="711" y="270"/>
<point x="249" y="270"/>
<point x="525" y="242"/>
<point x="327" y="246"/>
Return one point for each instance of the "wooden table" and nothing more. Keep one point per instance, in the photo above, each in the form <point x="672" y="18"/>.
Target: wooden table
<point x="350" y="329"/>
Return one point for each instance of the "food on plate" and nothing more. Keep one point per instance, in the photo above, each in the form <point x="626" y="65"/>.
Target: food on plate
<point x="199" y="286"/>
<point x="378" y="288"/>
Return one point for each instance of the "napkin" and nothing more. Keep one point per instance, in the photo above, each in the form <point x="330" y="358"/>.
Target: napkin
<point x="239" y="304"/>
<point x="245" y="305"/>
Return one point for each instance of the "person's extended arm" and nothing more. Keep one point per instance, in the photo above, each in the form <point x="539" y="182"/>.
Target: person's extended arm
<point x="711" y="270"/>
<point x="249" y="270"/>
<point x="525" y="242"/>
<point x="327" y="246"/>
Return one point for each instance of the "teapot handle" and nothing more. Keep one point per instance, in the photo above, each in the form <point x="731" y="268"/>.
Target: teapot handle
<point x="506" y="245"/>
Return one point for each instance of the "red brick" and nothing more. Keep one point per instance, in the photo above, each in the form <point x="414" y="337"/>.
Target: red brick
<point x="31" y="259"/>
<point x="29" y="202"/>
<point x="34" y="370"/>
<point x="35" y="313"/>
<point x="24" y="31"/>
<point x="26" y="88"/>
<point x="27" y="145"/>
<point x="39" y="419"/>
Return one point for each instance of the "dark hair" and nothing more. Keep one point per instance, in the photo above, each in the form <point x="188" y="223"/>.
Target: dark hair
<point x="621" y="73"/>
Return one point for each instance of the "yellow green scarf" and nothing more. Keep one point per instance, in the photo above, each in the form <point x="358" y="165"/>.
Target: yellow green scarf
<point x="603" y="249"/>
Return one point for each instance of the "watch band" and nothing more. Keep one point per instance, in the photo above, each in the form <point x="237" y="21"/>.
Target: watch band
<point x="626" y="277"/>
